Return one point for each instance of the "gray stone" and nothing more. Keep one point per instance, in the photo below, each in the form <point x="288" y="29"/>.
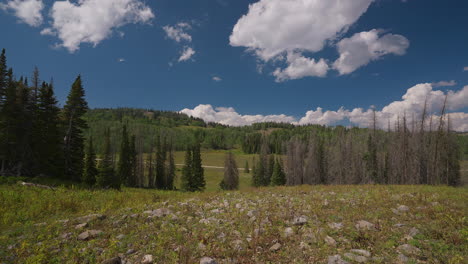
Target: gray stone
<point x="207" y="260"/>
<point x="357" y="258"/>
<point x="408" y="249"/>
<point x="301" y="220"/>
<point x="81" y="226"/>
<point x="89" y="234"/>
<point x="364" y="225"/>
<point x="130" y="251"/>
<point x="288" y="231"/>
<point x="330" y="241"/>
<point x="336" y="259"/>
<point x="147" y="259"/>
<point x="413" y="232"/>
<point x="275" y="247"/>
<point x="336" y="226"/>
<point x="361" y="252"/>
<point x="120" y="237"/>
<point x="402" y="259"/>
<point x="91" y="217"/>
<point x="403" y="208"/>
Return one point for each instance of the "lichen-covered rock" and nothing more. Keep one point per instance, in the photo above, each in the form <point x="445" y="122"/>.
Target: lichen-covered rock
<point x="275" y="247"/>
<point x="336" y="259"/>
<point x="147" y="259"/>
<point x="363" y="225"/>
<point x="301" y="220"/>
<point x="408" y="249"/>
<point x="89" y="234"/>
<point x="207" y="260"/>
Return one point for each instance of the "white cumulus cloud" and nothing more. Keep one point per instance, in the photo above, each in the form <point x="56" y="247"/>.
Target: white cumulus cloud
<point x="465" y="68"/>
<point x="411" y="105"/>
<point x="299" y="67"/>
<point x="186" y="54"/>
<point x="27" y="11"/>
<point x="272" y="27"/>
<point x="92" y="21"/>
<point x="365" y="47"/>
<point x="217" y="79"/>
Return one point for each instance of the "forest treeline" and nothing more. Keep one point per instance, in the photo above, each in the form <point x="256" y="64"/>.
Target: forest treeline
<point x="109" y="148"/>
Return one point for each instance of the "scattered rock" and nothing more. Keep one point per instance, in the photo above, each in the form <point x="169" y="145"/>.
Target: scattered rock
<point x="399" y="225"/>
<point x="275" y="247"/>
<point x="130" y="251"/>
<point x="201" y="246"/>
<point x="66" y="235"/>
<point x="336" y="226"/>
<point x="40" y="224"/>
<point x="115" y="260"/>
<point x="237" y="244"/>
<point x="364" y="225"/>
<point x="330" y="241"/>
<point x="207" y="260"/>
<point x="402" y="259"/>
<point x="147" y="259"/>
<point x="91" y="217"/>
<point x="361" y="252"/>
<point x="288" y="231"/>
<point x="301" y="220"/>
<point x="357" y="258"/>
<point x="403" y="208"/>
<point x="408" y="249"/>
<point x="251" y="213"/>
<point x="158" y="212"/>
<point x="120" y="237"/>
<point x="336" y="259"/>
<point x="81" y="226"/>
<point x="89" y="234"/>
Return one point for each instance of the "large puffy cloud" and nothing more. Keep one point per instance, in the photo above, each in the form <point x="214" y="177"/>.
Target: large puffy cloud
<point x="365" y="47"/>
<point x="28" y="11"/>
<point x="272" y="27"/>
<point x="299" y="67"/>
<point x="411" y="105"/>
<point x="92" y="21"/>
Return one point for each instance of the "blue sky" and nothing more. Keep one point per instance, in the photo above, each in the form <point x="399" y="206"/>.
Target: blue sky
<point x="386" y="46"/>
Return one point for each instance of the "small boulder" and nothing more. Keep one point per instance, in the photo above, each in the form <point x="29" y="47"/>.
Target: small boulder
<point x="403" y="208"/>
<point x="336" y="226"/>
<point x="288" y="231"/>
<point x="336" y="259"/>
<point x="357" y="258"/>
<point x="147" y="259"/>
<point x="402" y="259"/>
<point x="364" y="225"/>
<point x="207" y="260"/>
<point x="408" y="249"/>
<point x="330" y="241"/>
<point x="81" y="226"/>
<point x="361" y="252"/>
<point x="89" y="234"/>
<point x="275" y="247"/>
<point x="301" y="220"/>
<point x="91" y="217"/>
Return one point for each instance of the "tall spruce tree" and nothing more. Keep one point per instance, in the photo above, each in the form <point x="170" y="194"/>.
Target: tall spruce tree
<point x="49" y="146"/>
<point x="187" y="173"/>
<point x="124" y="167"/>
<point x="160" y="164"/>
<point x="258" y="174"/>
<point x="171" y="170"/>
<point x="90" y="170"/>
<point x="231" y="174"/>
<point x="73" y="112"/>
<point x="3" y="88"/>
<point x="197" y="169"/>
<point x="278" y="178"/>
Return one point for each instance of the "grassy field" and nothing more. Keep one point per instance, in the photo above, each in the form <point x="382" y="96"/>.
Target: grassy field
<point x="252" y="226"/>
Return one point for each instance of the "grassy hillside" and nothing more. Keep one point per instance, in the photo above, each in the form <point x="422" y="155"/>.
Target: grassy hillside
<point x="307" y="224"/>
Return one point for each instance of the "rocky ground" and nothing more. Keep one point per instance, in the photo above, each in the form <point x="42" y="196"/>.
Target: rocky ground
<point x="332" y="224"/>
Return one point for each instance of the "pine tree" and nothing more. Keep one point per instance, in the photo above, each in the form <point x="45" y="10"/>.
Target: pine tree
<point x="160" y="165"/>
<point x="269" y="171"/>
<point x="278" y="178"/>
<point x="171" y="170"/>
<point x="90" y="171"/>
<point x="124" y="167"/>
<point x="73" y="111"/>
<point x="133" y="158"/>
<point x="187" y="173"/>
<point x="107" y="178"/>
<point x="197" y="169"/>
<point x="48" y="148"/>
<point x="231" y="174"/>
<point x="246" y="169"/>
<point x="258" y="174"/>
<point x="3" y="88"/>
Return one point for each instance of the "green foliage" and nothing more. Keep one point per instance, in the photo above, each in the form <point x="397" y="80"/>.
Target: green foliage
<point x="124" y="167"/>
<point x="74" y="110"/>
<point x="199" y="183"/>
<point x="231" y="174"/>
<point x="107" y="178"/>
<point x="278" y="178"/>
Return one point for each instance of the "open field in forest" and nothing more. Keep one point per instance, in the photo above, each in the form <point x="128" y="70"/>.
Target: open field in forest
<point x="306" y="224"/>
